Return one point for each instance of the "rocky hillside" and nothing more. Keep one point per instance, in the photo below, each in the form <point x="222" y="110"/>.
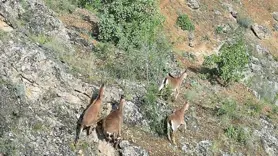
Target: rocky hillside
<point x="54" y="55"/>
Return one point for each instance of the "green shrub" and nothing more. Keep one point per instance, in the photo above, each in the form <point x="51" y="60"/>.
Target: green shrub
<point x="184" y="23"/>
<point x="229" y="109"/>
<point x="128" y="23"/>
<point x="237" y="133"/>
<point x="140" y="51"/>
<point x="230" y="62"/>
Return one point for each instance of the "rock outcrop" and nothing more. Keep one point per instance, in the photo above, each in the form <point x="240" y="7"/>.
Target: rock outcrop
<point x="40" y="100"/>
<point x="194" y="4"/>
<point x="262" y="74"/>
<point x="260" y="31"/>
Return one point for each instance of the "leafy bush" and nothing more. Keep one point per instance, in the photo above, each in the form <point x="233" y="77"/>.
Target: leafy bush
<point x="237" y="133"/>
<point x="184" y="23"/>
<point x="230" y="62"/>
<point x="128" y="23"/>
<point x="140" y="51"/>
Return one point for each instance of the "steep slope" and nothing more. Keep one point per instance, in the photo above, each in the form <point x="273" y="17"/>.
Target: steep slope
<point x="50" y="65"/>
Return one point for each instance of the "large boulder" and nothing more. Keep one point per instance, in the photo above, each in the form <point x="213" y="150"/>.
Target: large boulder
<point x="262" y="75"/>
<point x="260" y="31"/>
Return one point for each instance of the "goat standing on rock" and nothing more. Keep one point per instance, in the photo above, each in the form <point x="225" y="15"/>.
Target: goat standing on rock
<point x="174" y="83"/>
<point x="175" y="120"/>
<point x="112" y="124"/>
<point x="90" y="117"/>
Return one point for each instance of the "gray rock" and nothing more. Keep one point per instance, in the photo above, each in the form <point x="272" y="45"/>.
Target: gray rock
<point x="35" y="19"/>
<point x="4" y="26"/>
<point x="133" y="116"/>
<point x="268" y="137"/>
<point x="260" y="31"/>
<point x="203" y="148"/>
<point x="262" y="74"/>
<point x="275" y="26"/>
<point x="127" y="149"/>
<point x="194" y="4"/>
<point x="275" y="15"/>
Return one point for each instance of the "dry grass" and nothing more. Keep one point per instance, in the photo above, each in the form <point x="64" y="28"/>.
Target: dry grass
<point x="205" y="21"/>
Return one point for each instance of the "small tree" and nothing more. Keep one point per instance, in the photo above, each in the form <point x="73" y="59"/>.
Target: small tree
<point x="230" y="62"/>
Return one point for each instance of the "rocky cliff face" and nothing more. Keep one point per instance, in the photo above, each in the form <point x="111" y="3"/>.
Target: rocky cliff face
<point x="40" y="102"/>
<point x="41" y="99"/>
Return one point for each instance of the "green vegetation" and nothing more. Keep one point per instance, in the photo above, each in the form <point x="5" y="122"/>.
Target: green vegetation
<point x="133" y="46"/>
<point x="153" y="111"/>
<point x="230" y="62"/>
<point x="219" y="29"/>
<point x="61" y="6"/>
<point x="237" y="133"/>
<point x="129" y="24"/>
<point x="253" y="109"/>
<point x="3" y="34"/>
<point x="244" y="22"/>
<point x="40" y="38"/>
<point x="228" y="108"/>
<point x="184" y="23"/>
<point x="38" y="126"/>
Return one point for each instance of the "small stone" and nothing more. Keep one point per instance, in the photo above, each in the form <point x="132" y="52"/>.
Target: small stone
<point x="275" y="15"/>
<point x="275" y="26"/>
<point x="194" y="4"/>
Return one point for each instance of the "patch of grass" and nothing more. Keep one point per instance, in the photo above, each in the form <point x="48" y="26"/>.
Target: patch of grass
<point x="190" y="95"/>
<point x="38" y="126"/>
<point x="219" y="29"/>
<point x="185" y="23"/>
<point x="40" y="38"/>
<point x="61" y="6"/>
<point x="237" y="133"/>
<point x="216" y="147"/>
<point x="153" y="112"/>
<point x="84" y="145"/>
<point x="205" y="38"/>
<point x="3" y="34"/>
<point x="253" y="109"/>
<point x="229" y="109"/>
<point x="145" y="64"/>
